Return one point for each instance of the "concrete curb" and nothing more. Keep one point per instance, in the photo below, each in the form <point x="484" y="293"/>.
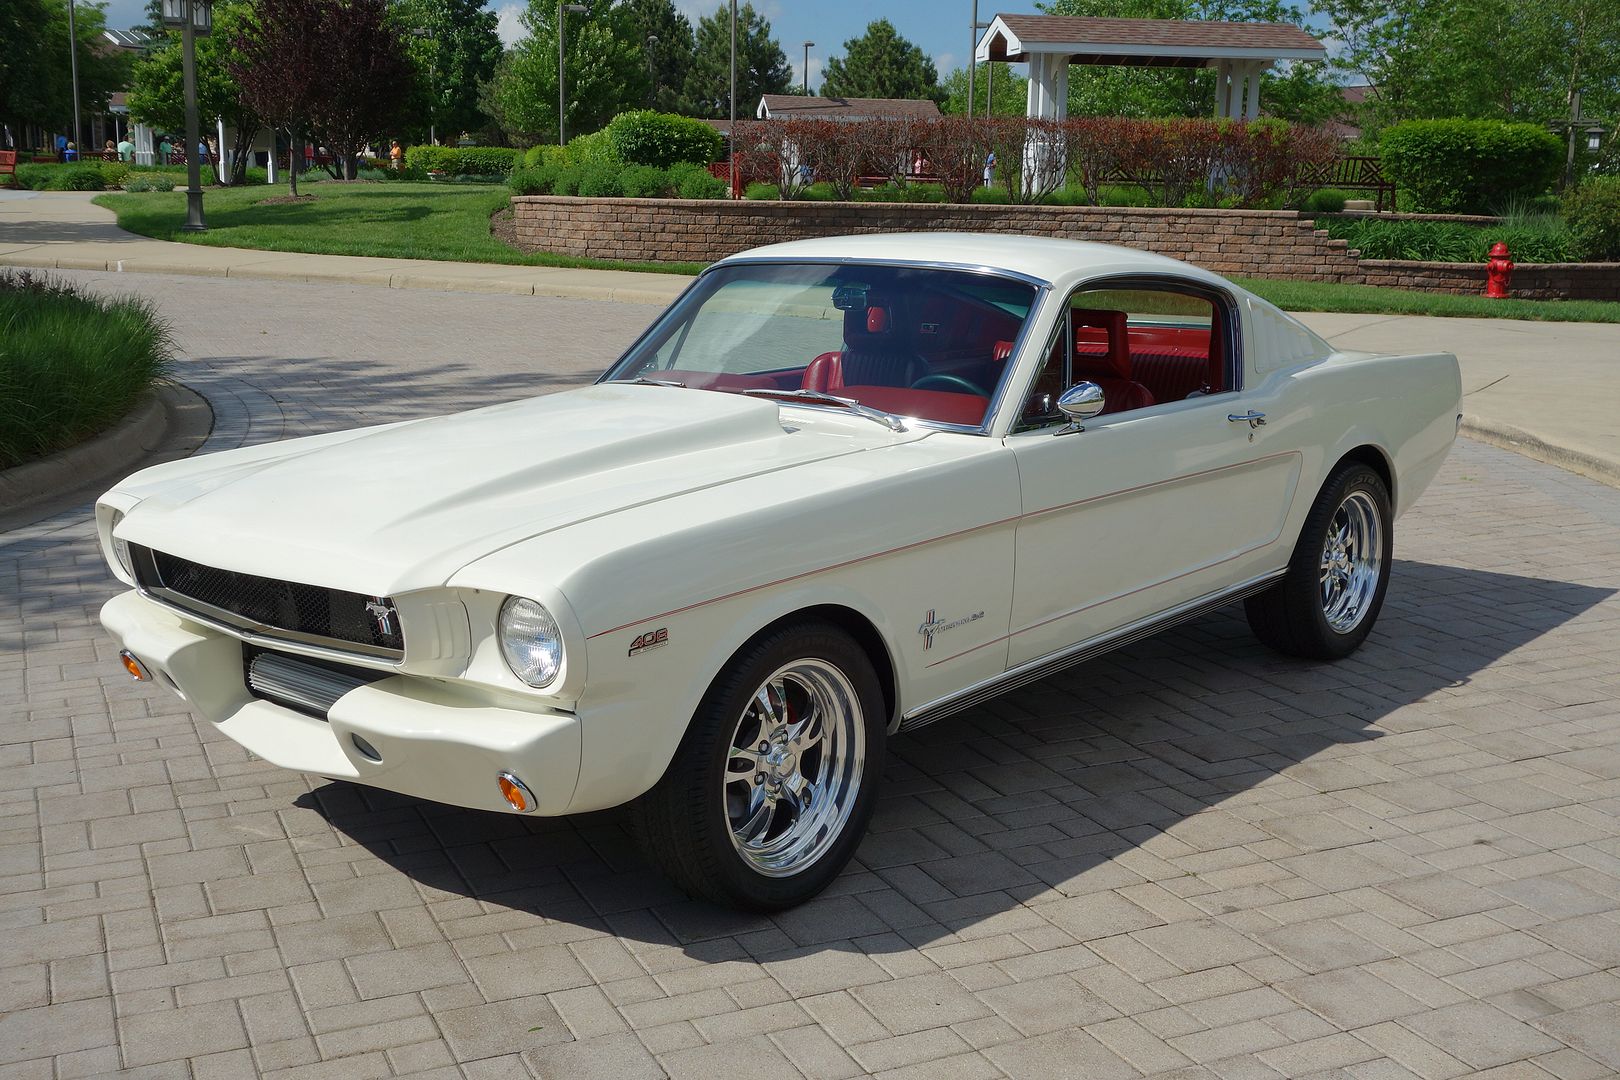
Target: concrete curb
<point x="415" y="279"/>
<point x="1522" y="442"/>
<point x="132" y="437"/>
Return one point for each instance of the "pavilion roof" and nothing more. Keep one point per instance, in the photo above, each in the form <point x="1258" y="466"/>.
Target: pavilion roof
<point x="796" y="107"/>
<point x="1143" y="42"/>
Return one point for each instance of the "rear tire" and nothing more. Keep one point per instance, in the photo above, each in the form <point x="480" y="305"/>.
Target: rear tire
<point x="1326" y="604"/>
<point x="773" y="785"/>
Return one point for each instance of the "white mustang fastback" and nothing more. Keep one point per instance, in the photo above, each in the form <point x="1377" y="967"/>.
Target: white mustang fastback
<point x="840" y="489"/>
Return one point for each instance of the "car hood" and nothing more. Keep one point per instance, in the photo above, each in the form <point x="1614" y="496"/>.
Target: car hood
<point x="390" y="509"/>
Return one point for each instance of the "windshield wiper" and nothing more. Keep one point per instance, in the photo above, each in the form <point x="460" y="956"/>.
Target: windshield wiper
<point x="644" y="381"/>
<point x="816" y="397"/>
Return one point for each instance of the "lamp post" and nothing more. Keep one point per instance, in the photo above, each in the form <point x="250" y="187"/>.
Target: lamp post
<point x="1577" y="125"/>
<point x="562" y="94"/>
<point x="807" y="47"/>
<point x="652" y="71"/>
<point x="433" y="81"/>
<point x="731" y="132"/>
<point x="73" y="63"/>
<point x="193" y="17"/>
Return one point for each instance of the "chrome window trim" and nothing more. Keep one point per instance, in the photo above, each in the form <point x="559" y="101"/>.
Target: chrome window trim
<point x="1043" y="289"/>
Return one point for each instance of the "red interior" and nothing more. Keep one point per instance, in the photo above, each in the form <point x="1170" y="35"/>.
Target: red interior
<point x="941" y="405"/>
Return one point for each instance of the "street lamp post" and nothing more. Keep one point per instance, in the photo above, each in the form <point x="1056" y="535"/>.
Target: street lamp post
<point x="652" y="71"/>
<point x="731" y="137"/>
<point x="807" y="47"/>
<point x="433" y="81"/>
<point x="562" y="94"/>
<point x="1577" y="124"/>
<point x="73" y="63"/>
<point x="193" y="17"/>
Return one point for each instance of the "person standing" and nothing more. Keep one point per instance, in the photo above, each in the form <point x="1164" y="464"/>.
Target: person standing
<point x="396" y="156"/>
<point x="165" y="150"/>
<point x="989" y="168"/>
<point x="126" y="151"/>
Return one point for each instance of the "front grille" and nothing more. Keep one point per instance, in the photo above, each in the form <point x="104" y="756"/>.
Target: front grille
<point x="306" y="685"/>
<point x="311" y="614"/>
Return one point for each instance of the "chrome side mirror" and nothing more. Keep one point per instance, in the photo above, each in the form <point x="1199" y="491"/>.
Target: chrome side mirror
<point x="1079" y="403"/>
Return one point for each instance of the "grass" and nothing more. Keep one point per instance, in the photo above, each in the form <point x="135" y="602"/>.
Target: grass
<point x="71" y="363"/>
<point x="1374" y="300"/>
<point x="424" y="221"/>
<point x="395" y="221"/>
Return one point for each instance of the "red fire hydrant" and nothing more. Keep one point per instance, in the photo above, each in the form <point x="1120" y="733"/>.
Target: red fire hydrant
<point x="1498" y="272"/>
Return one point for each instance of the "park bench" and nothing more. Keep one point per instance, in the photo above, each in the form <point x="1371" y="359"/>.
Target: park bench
<point x="8" y="166"/>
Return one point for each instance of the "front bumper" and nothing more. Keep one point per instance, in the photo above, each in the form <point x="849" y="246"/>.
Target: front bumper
<point x="436" y="740"/>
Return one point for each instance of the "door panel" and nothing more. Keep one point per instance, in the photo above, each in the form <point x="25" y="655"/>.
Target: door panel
<point x="1141" y="512"/>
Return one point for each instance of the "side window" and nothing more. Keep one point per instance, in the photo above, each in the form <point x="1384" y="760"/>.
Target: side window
<point x="1145" y="345"/>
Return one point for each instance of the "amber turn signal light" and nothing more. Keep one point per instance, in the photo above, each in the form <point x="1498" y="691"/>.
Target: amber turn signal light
<point x="136" y="669"/>
<point x="516" y="793"/>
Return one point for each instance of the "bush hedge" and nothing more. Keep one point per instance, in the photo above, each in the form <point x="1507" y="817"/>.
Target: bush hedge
<point x="1450" y="241"/>
<point x="1592" y="212"/>
<point x="462" y="160"/>
<point x="552" y="175"/>
<point x="645" y="137"/>
<point x="1469" y="166"/>
<point x="72" y="363"/>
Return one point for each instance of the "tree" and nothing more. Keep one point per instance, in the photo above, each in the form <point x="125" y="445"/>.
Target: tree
<point x="1480" y="59"/>
<point x="1011" y="91"/>
<point x="157" y="93"/>
<point x="762" y="66"/>
<point x="36" y="86"/>
<point x="454" y="48"/>
<point x="666" y="39"/>
<point x="607" y="72"/>
<point x="881" y="64"/>
<point x="369" y="78"/>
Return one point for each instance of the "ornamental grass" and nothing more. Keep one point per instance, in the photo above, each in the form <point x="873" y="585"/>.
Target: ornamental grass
<point x="72" y="363"/>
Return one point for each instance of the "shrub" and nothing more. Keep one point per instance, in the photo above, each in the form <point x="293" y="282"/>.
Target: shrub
<point x="1325" y="201"/>
<point x="71" y="363"/>
<point x="149" y="183"/>
<point x="696" y="182"/>
<point x="645" y="137"/>
<point x="758" y="190"/>
<point x="644" y="182"/>
<point x="1593" y="214"/>
<point x="462" y="160"/>
<point x="533" y="180"/>
<point x="1466" y="166"/>
<point x="600" y="180"/>
<point x="1450" y="241"/>
<point x="81" y="177"/>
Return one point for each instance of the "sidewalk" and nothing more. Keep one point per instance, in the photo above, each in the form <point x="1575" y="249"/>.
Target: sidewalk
<point x="1549" y="390"/>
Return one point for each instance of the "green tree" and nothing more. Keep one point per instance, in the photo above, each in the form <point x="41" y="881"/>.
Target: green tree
<point x="607" y="72"/>
<point x="666" y="40"/>
<point x="1011" y="91"/>
<point x="1480" y="59"/>
<point x="36" y="86"/>
<point x="762" y="66"/>
<point x="454" y="47"/>
<point x="881" y="64"/>
<point x="157" y="93"/>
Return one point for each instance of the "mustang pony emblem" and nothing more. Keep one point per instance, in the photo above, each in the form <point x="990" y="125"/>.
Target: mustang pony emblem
<point x="931" y="625"/>
<point x="382" y="613"/>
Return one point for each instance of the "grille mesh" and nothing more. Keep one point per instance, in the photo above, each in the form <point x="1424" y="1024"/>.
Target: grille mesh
<point x="310" y="610"/>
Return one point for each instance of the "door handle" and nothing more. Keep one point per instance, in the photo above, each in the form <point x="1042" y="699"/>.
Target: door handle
<point x="1252" y="418"/>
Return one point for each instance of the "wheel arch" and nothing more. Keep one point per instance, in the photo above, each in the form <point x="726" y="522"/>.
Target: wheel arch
<point x="857" y="626"/>
<point x="1375" y="459"/>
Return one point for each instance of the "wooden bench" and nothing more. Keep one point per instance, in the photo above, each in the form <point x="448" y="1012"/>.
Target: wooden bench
<point x="8" y="165"/>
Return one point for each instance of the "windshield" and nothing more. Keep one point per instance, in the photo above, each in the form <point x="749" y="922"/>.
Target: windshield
<point x="932" y="344"/>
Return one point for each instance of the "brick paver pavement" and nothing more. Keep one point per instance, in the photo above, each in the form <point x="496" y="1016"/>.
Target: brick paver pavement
<point x="1191" y="859"/>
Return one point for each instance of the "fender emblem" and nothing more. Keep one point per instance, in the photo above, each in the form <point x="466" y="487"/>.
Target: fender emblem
<point x="381" y="610"/>
<point x="931" y="625"/>
<point x="652" y="639"/>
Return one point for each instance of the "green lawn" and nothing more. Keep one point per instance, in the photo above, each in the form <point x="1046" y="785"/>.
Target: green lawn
<point x="398" y="221"/>
<point x="421" y="221"/>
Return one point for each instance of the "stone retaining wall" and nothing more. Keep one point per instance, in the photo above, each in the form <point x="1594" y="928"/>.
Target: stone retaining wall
<point x="1241" y="243"/>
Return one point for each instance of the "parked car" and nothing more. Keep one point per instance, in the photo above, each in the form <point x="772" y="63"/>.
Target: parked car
<point x="841" y="489"/>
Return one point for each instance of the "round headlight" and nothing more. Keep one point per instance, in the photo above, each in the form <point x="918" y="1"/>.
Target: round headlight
<point x="530" y="641"/>
<point x="120" y="547"/>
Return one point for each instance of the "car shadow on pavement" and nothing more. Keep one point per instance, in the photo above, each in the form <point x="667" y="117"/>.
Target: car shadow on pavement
<point x="1058" y="793"/>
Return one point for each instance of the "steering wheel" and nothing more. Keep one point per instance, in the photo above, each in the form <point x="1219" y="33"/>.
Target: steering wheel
<point x="954" y="382"/>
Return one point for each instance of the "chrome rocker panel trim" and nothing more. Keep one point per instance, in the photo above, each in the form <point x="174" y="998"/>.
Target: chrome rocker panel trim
<point x="1042" y="666"/>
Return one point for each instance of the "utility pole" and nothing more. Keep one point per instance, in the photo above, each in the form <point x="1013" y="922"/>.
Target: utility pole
<point x="562" y="77"/>
<point x="973" y="59"/>
<point x="731" y="140"/>
<point x="807" y="47"/>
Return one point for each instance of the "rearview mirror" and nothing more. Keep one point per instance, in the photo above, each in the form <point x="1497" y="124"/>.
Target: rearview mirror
<point x="1079" y="403"/>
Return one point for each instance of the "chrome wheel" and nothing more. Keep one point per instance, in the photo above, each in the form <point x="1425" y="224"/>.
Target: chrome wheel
<point x="1352" y="561"/>
<point x="795" y="767"/>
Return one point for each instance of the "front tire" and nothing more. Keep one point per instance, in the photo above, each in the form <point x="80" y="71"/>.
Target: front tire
<point x="1325" y="606"/>
<point x="771" y="789"/>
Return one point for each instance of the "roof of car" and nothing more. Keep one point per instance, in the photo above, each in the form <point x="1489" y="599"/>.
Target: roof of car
<point x="1059" y="262"/>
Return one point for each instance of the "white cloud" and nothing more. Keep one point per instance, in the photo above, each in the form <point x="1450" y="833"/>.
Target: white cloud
<point x="509" y="23"/>
<point x="945" y="63"/>
<point x="797" y="63"/>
